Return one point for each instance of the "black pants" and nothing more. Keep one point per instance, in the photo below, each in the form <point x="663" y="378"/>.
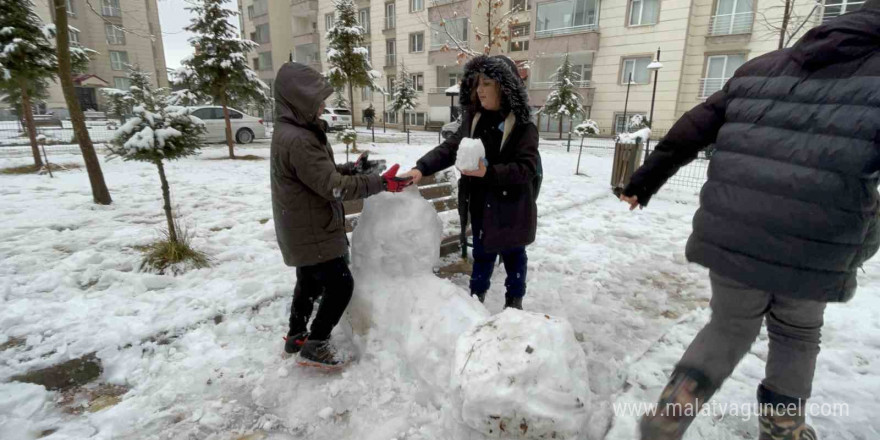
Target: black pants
<point x="333" y="280"/>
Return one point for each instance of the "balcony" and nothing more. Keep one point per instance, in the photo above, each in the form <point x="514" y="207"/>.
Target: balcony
<point x="391" y="60"/>
<point x="547" y="85"/>
<point x="708" y="86"/>
<point x="546" y="33"/>
<point x="307" y="38"/>
<point x="731" y="24"/>
<point x="390" y="23"/>
<point x="303" y="8"/>
<point x="433" y="3"/>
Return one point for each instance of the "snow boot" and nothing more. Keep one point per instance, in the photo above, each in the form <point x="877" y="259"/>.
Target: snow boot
<point x="782" y="417"/>
<point x="679" y="404"/>
<point x="480" y="296"/>
<point x="514" y="303"/>
<point x="293" y="342"/>
<point x="319" y="354"/>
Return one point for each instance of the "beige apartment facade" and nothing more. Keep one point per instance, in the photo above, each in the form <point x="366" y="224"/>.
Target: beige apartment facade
<point x="101" y="29"/>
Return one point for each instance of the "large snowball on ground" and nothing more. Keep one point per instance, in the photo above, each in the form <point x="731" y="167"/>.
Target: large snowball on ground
<point x="469" y="153"/>
<point x="397" y="235"/>
<point x="522" y="375"/>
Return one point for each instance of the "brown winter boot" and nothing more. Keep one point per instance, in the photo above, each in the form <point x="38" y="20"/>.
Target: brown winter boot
<point x="782" y="417"/>
<point x="679" y="404"/>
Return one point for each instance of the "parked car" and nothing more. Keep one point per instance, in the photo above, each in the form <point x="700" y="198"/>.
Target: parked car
<point x="245" y="128"/>
<point x="450" y="128"/>
<point x="337" y="118"/>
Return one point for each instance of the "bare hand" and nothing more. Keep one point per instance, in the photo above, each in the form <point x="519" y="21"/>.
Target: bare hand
<point x="633" y="201"/>
<point x="414" y="173"/>
<point x="480" y="172"/>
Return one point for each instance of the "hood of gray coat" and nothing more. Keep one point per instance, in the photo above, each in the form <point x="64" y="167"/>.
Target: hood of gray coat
<point x="842" y="39"/>
<point x="299" y="93"/>
<point x="514" y="97"/>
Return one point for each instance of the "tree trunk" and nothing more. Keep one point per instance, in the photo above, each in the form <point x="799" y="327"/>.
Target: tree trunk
<point x="100" y="193"/>
<point x="166" y="196"/>
<point x="229" y="140"/>
<point x="354" y="144"/>
<point x="560" y="128"/>
<point x="29" y="123"/>
<point x="404" y="125"/>
<point x="785" y="18"/>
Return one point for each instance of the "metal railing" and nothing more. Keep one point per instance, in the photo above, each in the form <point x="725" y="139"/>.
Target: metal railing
<point x="437" y="90"/>
<point x="552" y="84"/>
<point x="432" y="3"/>
<point x="833" y="10"/>
<point x="111" y="11"/>
<point x="390" y="22"/>
<point x="709" y="86"/>
<point x="732" y="24"/>
<point x="565" y="31"/>
<point x="390" y="59"/>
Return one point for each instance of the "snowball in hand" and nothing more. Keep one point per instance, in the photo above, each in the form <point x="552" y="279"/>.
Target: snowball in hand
<point x="470" y="151"/>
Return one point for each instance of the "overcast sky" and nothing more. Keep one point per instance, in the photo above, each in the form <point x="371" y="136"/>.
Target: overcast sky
<point x="174" y="18"/>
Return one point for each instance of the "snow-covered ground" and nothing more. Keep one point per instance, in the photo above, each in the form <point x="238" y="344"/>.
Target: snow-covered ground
<point x="70" y="286"/>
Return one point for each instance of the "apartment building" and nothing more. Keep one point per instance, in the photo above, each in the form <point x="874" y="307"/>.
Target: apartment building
<point x="101" y="29"/>
<point x="610" y="43"/>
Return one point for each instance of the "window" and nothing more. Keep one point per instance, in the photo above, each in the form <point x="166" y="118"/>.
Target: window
<point x="415" y="119"/>
<point x="416" y="5"/>
<point x="389" y="16"/>
<point x="234" y="114"/>
<point x="73" y="36"/>
<point x="261" y="34"/>
<point x="417" y="42"/>
<point x="390" y="52"/>
<point x="543" y="72"/>
<point x="566" y="16"/>
<point x="418" y="82"/>
<point x="70" y="9"/>
<point x="265" y="61"/>
<point x="620" y="123"/>
<point x="114" y="34"/>
<point x="250" y="12"/>
<point x="121" y="83"/>
<point x="455" y="79"/>
<point x="519" y="45"/>
<point x="369" y="48"/>
<point x="110" y="8"/>
<point x="732" y="17"/>
<point x="836" y="8"/>
<point x="643" y="12"/>
<point x="523" y="5"/>
<point x="209" y="113"/>
<point x="366" y="94"/>
<point x="118" y="60"/>
<point x="261" y="8"/>
<point x="329" y="21"/>
<point x="364" y="18"/>
<point x="390" y="85"/>
<point x="520" y="30"/>
<point x="719" y="69"/>
<point x="637" y="70"/>
<point x="391" y="117"/>
<point x="442" y="33"/>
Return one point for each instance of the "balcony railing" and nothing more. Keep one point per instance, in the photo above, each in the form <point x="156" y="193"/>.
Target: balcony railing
<point x="565" y="31"/>
<point x="538" y="85"/>
<point x="708" y="86"/>
<point x="390" y="22"/>
<point x="111" y="11"/>
<point x="732" y="24"/>
<point x="432" y="3"/>
<point x="390" y="59"/>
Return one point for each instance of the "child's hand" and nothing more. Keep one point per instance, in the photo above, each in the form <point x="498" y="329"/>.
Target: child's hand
<point x="480" y="172"/>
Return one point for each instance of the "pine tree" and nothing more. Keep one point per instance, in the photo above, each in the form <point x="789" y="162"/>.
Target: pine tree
<point x="339" y="99"/>
<point x="404" y="97"/>
<point x="565" y="100"/>
<point x="219" y="69"/>
<point x="347" y="55"/>
<point x="586" y="129"/>
<point x="69" y="60"/>
<point x="27" y="62"/>
<point x="119" y="101"/>
<point x="156" y="133"/>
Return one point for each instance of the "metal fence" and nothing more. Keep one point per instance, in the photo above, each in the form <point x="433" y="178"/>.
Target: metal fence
<point x="13" y="133"/>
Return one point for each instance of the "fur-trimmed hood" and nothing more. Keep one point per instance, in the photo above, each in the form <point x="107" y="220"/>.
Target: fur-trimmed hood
<point x="514" y="97"/>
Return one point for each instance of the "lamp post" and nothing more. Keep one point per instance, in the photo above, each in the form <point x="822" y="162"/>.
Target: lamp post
<point x="653" y="67"/>
<point x="626" y="101"/>
<point x="384" y="113"/>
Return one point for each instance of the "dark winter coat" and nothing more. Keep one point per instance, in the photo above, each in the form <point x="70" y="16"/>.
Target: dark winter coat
<point x="307" y="186"/>
<point x="791" y="202"/>
<point x="502" y="201"/>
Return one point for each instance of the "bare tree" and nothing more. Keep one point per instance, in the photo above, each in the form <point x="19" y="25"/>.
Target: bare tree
<point x="785" y="19"/>
<point x="493" y="36"/>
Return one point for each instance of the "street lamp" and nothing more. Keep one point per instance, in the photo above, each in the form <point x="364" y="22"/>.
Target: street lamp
<point x="384" y="113"/>
<point x="653" y="67"/>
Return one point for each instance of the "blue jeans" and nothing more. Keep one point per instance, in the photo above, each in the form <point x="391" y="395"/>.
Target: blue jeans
<point x="515" y="263"/>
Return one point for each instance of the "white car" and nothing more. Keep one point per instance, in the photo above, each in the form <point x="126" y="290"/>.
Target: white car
<point x="245" y="128"/>
<point x="337" y="118"/>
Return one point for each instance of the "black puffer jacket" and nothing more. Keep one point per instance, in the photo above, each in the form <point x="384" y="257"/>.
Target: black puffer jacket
<point x="791" y="203"/>
<point x="503" y="201"/>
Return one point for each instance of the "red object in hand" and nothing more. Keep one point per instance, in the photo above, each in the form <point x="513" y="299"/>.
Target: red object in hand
<point x="394" y="183"/>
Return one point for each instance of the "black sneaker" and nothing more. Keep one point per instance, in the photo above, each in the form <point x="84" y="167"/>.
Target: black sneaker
<point x="319" y="354"/>
<point x="514" y="303"/>
<point x="480" y="296"/>
<point x="294" y="343"/>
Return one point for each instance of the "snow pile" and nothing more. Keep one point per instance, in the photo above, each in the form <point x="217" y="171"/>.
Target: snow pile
<point x="470" y="151"/>
<point x="524" y="375"/>
<point x="638" y="137"/>
<point x="398" y="301"/>
<point x="19" y="404"/>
